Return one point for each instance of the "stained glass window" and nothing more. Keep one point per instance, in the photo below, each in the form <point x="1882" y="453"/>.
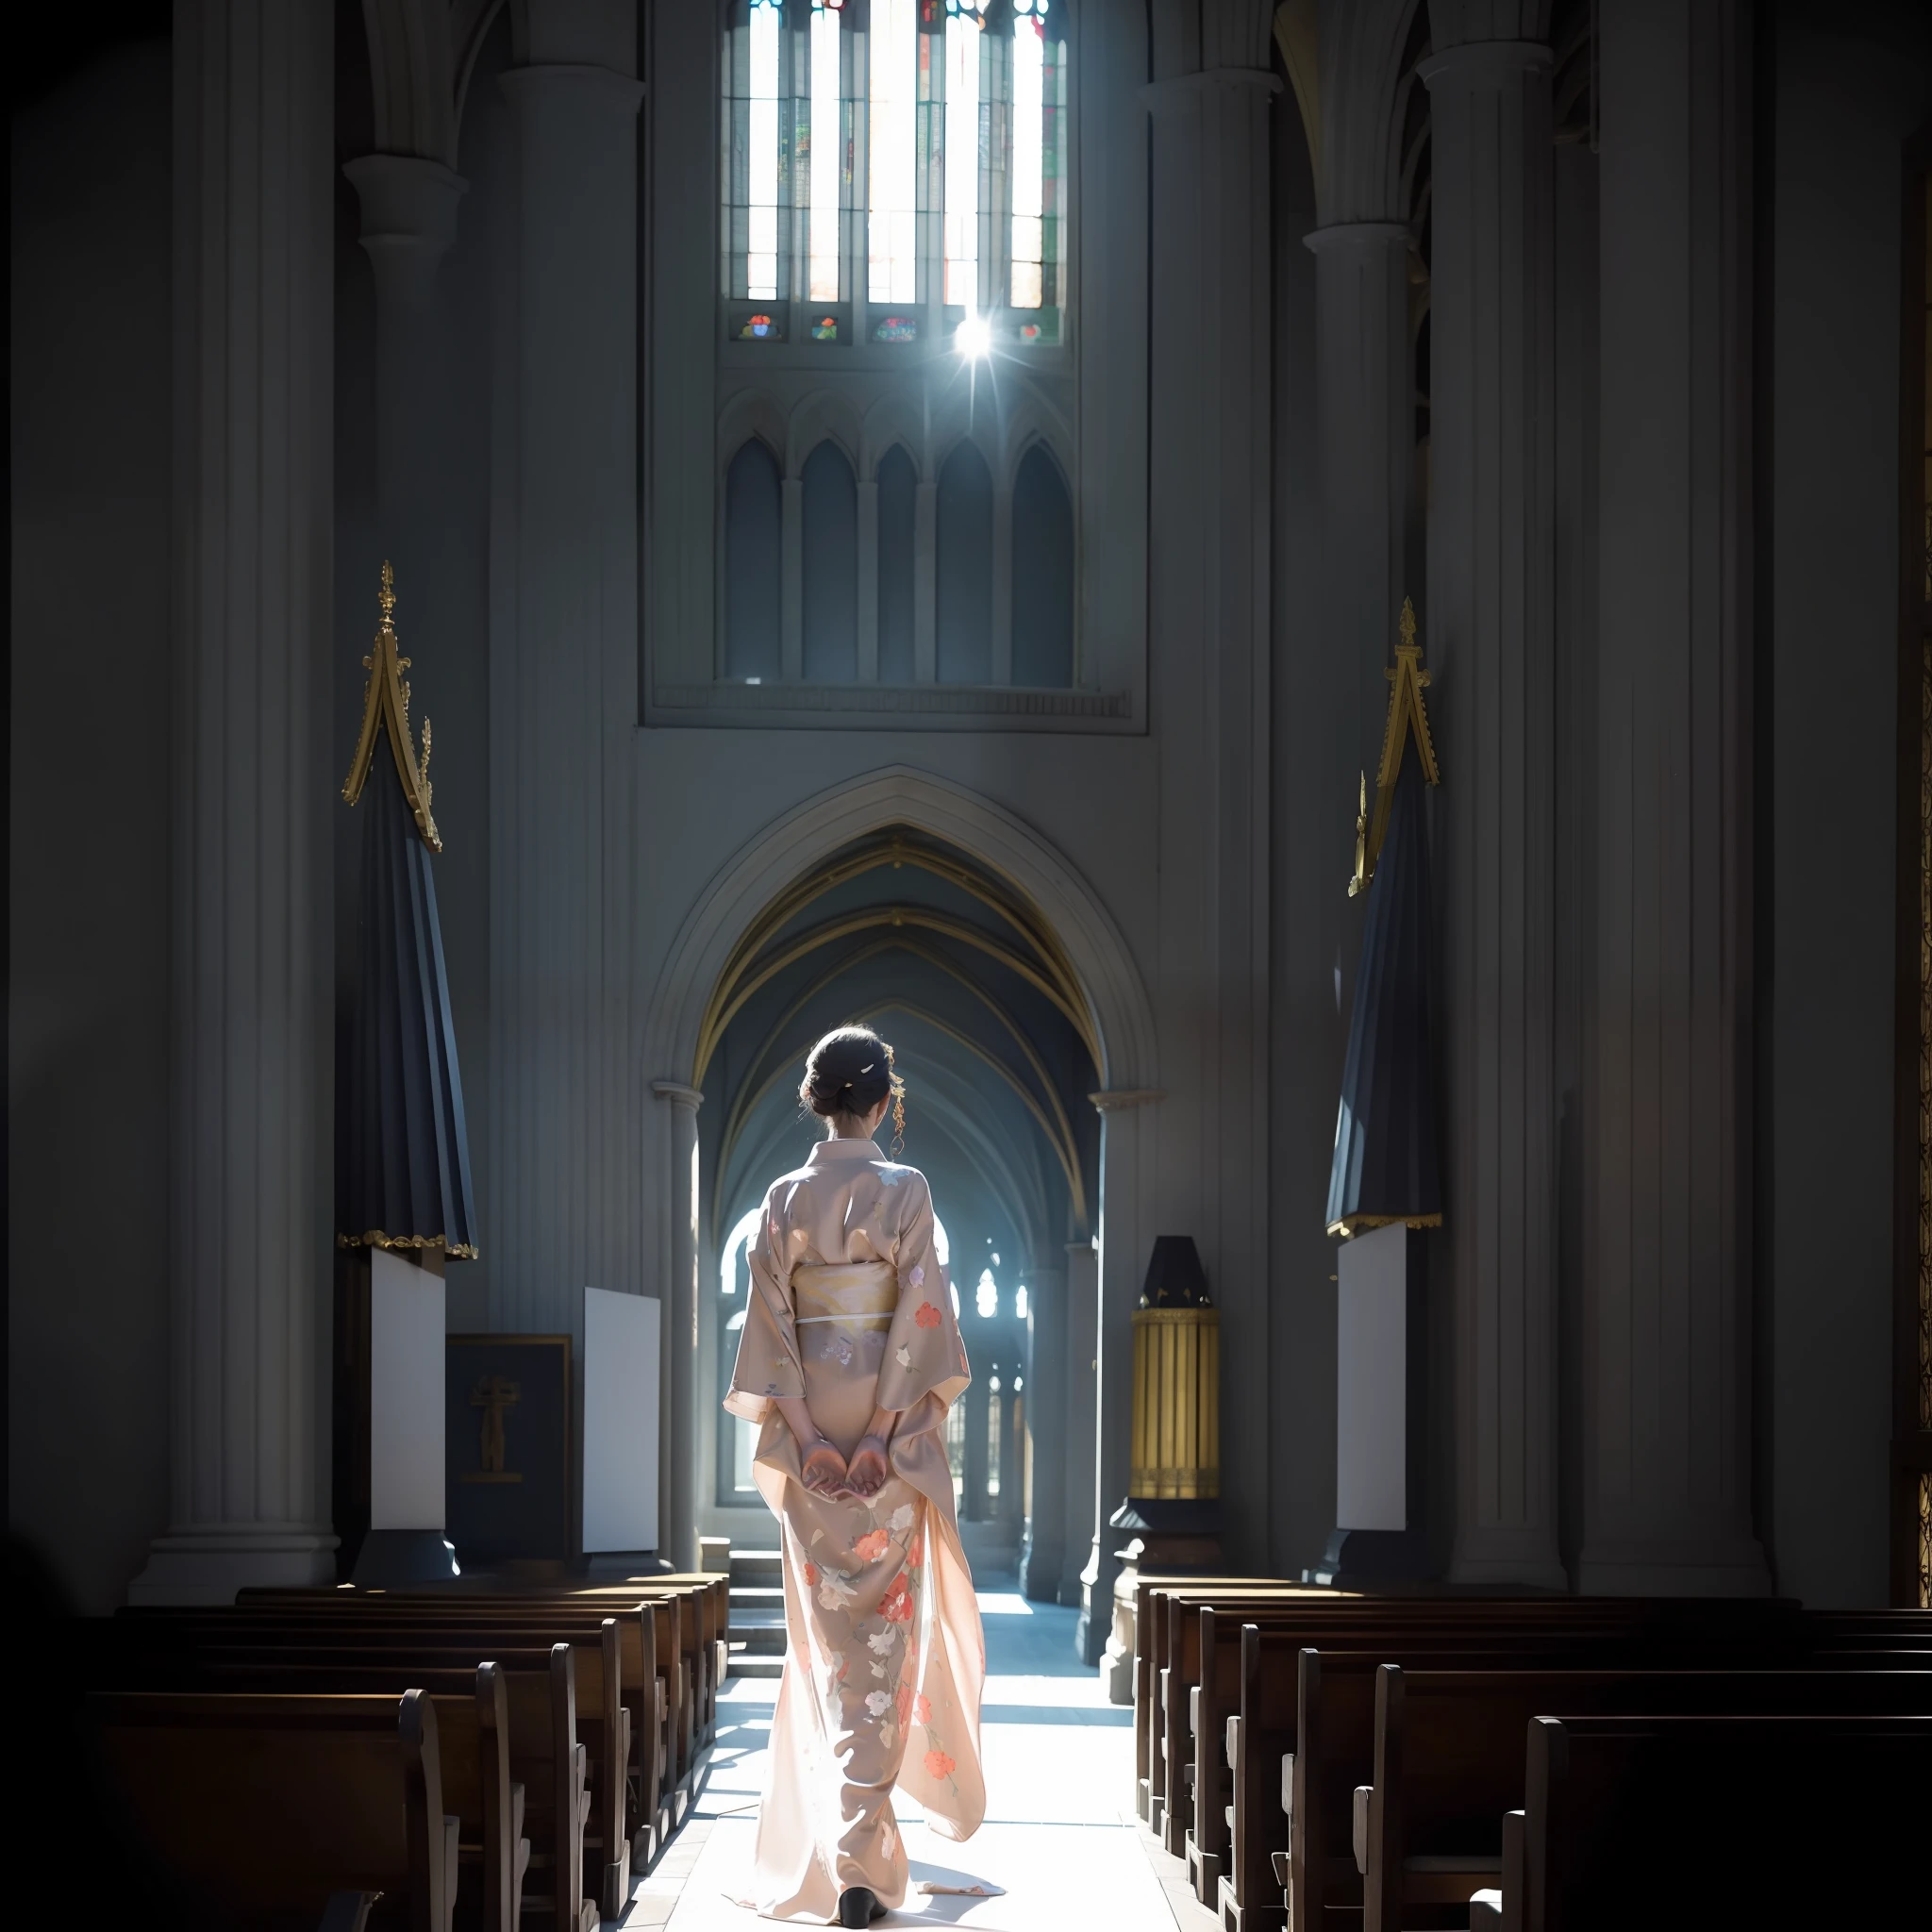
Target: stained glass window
<point x="827" y="142"/>
<point x="1038" y="169"/>
<point x="900" y="63"/>
<point x="896" y="154"/>
<point x="964" y="141"/>
<point x="756" y="130"/>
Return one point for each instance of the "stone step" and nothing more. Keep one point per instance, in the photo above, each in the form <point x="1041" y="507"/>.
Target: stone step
<point x="756" y="1596"/>
<point x="756" y="1640"/>
<point x="742" y="1665"/>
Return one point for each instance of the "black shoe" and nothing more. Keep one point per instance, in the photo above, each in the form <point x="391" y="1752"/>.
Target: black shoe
<point x="859" y="1907"/>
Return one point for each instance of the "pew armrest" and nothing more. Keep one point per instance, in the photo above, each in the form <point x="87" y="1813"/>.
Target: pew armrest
<point x="347" y="1911"/>
<point x="1485" y="1911"/>
<point x="1193" y="1711"/>
<point x="452" y="1853"/>
<point x="1358" y="1827"/>
<point x="1231" y="1742"/>
<point x="1288" y="1784"/>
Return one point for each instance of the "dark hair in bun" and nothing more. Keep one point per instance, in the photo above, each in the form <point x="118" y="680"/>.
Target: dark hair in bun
<point x="848" y="1072"/>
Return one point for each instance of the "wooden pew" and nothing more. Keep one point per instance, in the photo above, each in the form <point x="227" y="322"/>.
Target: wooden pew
<point x="1275" y="1822"/>
<point x="1697" y="1821"/>
<point x="1150" y="1644"/>
<point x="1447" y="1755"/>
<point x="266" y="1810"/>
<point x="667" y="1643"/>
<point x="540" y="1725"/>
<point x="1210" y="1653"/>
<point x="1172" y="1744"/>
<point x="394" y="1627"/>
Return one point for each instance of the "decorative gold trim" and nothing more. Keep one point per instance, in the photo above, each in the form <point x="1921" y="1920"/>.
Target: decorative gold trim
<point x="1359" y="1223"/>
<point x="1408" y="718"/>
<point x="385" y="709"/>
<point x="374" y="1238"/>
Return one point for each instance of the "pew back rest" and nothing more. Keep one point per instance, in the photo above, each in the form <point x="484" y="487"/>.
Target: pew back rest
<point x="1456" y="1734"/>
<point x="1692" y="1822"/>
<point x="263" y="1807"/>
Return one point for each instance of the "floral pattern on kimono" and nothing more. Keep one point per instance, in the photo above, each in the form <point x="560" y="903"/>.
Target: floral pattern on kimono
<point x="885" y="1660"/>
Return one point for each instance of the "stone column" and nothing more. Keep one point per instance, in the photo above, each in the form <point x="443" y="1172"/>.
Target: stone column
<point x="409" y="222"/>
<point x="1666" y="1355"/>
<point x="254" y="297"/>
<point x="1491" y="612"/>
<point x="1083" y="1462"/>
<point x="1054" y="1471"/>
<point x="1127" y="1156"/>
<point x="566" y="1131"/>
<point x="1212" y="467"/>
<point x="679" y="1318"/>
<point x="1365" y="423"/>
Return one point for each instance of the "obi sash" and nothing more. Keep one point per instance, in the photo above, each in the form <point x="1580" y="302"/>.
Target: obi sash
<point x="862" y="1294"/>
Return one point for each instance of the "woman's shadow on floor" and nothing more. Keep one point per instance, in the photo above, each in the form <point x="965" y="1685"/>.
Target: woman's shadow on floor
<point x="946" y="1907"/>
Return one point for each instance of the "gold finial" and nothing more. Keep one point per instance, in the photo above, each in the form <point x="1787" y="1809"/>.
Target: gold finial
<point x="386" y="714"/>
<point x="1408" y="719"/>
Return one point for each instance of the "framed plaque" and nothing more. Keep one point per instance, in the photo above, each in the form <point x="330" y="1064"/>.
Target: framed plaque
<point x="507" y="1410"/>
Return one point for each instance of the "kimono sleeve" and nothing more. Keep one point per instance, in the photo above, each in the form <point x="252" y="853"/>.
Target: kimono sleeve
<point x="768" y="1365"/>
<point x="923" y="1353"/>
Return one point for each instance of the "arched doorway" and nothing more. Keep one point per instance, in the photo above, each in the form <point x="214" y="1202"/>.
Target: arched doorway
<point x="1015" y="1006"/>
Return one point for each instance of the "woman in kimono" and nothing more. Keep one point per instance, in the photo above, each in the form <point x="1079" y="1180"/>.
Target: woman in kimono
<point x="849" y="1359"/>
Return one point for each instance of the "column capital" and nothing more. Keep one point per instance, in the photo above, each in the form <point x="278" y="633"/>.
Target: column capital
<point x="1485" y="63"/>
<point x="408" y="220"/>
<point x="1122" y="1099"/>
<point x="678" y="1093"/>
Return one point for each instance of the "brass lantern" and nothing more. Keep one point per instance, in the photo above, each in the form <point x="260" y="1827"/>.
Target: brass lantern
<point x="1176" y="1379"/>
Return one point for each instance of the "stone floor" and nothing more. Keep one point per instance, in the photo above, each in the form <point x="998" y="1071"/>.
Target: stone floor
<point x="1061" y="1839"/>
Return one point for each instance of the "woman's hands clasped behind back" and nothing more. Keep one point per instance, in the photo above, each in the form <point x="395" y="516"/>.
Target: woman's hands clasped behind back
<point x="866" y="1474"/>
<point x="823" y="1468"/>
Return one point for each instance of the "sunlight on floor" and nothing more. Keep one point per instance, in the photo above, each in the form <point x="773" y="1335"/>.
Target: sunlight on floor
<point x="1060" y="1841"/>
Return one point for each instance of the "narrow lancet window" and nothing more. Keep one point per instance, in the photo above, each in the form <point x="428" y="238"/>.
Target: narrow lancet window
<point x="893" y="131"/>
<point x="964" y="30"/>
<point x="1034" y="184"/>
<point x="762" y="149"/>
<point x="826" y="152"/>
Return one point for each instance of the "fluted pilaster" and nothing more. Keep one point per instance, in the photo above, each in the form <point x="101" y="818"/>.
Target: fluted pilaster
<point x="564" y="1129"/>
<point x="253" y="443"/>
<point x="1055" y="1469"/>
<point x="1667" y="1473"/>
<point x="1491" y="607"/>
<point x="1211" y="472"/>
<point x="679" y="1316"/>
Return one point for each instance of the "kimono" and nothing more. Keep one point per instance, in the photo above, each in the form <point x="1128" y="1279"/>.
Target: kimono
<point x="885" y="1660"/>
